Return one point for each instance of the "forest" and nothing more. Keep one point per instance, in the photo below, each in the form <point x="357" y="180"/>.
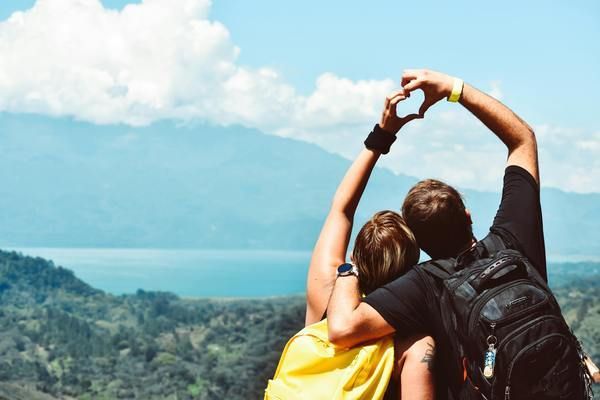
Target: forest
<point x="61" y="338"/>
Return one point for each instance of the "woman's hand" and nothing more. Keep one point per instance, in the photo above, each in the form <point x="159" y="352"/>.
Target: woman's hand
<point x="390" y="122"/>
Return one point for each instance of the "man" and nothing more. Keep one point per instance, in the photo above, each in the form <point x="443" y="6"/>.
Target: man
<point x="442" y="226"/>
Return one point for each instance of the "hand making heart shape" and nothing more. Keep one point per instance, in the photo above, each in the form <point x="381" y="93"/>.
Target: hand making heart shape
<point x="435" y="86"/>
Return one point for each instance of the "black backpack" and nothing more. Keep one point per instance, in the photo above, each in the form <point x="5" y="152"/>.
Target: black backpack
<point x="505" y="328"/>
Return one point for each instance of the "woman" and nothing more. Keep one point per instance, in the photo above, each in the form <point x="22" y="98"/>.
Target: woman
<point x="384" y="249"/>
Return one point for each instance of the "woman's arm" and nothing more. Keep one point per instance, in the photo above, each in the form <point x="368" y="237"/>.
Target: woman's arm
<point x="332" y="245"/>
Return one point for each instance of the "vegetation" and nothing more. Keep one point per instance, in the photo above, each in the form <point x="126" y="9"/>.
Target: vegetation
<point x="60" y="338"/>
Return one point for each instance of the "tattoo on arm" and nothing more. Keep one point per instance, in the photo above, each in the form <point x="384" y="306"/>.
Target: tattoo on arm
<point x="429" y="357"/>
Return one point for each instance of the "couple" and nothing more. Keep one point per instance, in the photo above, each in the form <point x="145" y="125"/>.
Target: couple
<point x="379" y="293"/>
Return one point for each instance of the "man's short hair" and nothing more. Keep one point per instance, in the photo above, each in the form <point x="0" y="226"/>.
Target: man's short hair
<point x="436" y="214"/>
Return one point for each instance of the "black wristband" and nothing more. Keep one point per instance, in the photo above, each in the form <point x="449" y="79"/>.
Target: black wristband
<point x="380" y="140"/>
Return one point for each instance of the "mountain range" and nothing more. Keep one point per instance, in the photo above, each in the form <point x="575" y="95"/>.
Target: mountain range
<point x="65" y="183"/>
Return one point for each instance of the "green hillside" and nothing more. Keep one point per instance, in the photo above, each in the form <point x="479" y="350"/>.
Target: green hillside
<point x="60" y="337"/>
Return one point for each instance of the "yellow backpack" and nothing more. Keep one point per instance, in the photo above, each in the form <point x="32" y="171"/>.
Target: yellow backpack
<point x="312" y="368"/>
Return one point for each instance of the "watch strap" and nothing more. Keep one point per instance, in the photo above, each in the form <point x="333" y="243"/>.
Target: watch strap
<point x="380" y="140"/>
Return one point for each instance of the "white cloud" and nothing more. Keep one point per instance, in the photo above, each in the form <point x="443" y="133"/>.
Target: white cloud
<point x="166" y="59"/>
<point x="570" y="158"/>
<point x="154" y="60"/>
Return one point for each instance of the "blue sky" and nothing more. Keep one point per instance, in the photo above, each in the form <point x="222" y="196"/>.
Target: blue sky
<point x="539" y="50"/>
<point x="542" y="58"/>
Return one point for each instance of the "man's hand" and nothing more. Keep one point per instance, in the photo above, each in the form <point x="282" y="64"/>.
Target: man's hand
<point x="435" y="85"/>
<point x="509" y="127"/>
<point x="390" y="122"/>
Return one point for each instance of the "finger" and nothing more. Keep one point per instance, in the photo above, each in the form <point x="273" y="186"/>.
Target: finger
<point x="412" y="85"/>
<point x="404" y="81"/>
<point x="410" y="117"/>
<point x="400" y="92"/>
<point x="425" y="106"/>
<point x="398" y="96"/>
<point x="389" y="98"/>
<point x="394" y="102"/>
<point x="411" y="73"/>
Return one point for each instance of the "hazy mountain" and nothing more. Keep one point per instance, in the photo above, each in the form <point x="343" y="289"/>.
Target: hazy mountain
<point x="66" y="183"/>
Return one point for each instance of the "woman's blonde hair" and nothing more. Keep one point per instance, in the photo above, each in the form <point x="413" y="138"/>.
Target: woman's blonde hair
<point x="384" y="249"/>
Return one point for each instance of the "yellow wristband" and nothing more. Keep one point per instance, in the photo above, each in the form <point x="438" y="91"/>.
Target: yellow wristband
<point x="457" y="89"/>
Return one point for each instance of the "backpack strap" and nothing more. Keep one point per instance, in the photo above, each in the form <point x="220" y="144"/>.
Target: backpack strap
<point x="441" y="269"/>
<point x="493" y="244"/>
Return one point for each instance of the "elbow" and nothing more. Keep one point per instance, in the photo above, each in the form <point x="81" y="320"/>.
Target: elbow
<point x="530" y="142"/>
<point x="525" y="140"/>
<point x="341" y="206"/>
<point x="530" y="136"/>
<point x="334" y="335"/>
<point x="339" y="335"/>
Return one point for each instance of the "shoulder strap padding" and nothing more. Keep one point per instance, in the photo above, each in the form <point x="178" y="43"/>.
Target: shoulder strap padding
<point x="493" y="244"/>
<point x="442" y="269"/>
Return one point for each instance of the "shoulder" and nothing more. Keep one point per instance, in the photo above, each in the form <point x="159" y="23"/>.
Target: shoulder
<point x="508" y="240"/>
<point x="408" y="286"/>
<point x="414" y="276"/>
<point x="520" y="171"/>
<point x="517" y="172"/>
<point x="403" y="303"/>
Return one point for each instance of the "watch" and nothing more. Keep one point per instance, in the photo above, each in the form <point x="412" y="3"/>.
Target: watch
<point x="347" y="269"/>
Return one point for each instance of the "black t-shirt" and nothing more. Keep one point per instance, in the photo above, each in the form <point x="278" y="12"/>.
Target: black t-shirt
<point x="411" y="303"/>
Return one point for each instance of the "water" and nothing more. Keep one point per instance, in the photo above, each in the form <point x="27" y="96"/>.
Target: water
<point x="200" y="273"/>
<point x="188" y="273"/>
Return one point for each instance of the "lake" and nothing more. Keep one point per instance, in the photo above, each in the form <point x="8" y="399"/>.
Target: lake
<point x="188" y="273"/>
<point x="196" y="273"/>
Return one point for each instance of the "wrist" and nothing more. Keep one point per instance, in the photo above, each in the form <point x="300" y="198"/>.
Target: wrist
<point x="347" y="269"/>
<point x="386" y="129"/>
<point x="380" y="140"/>
<point x="456" y="90"/>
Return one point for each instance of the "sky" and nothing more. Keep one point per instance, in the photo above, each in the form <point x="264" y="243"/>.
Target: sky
<point x="318" y="72"/>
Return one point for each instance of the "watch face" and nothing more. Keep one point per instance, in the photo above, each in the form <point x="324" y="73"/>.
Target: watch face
<point x="346" y="267"/>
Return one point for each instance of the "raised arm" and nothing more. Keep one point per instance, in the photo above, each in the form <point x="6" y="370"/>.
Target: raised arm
<point x="515" y="133"/>
<point x="332" y="245"/>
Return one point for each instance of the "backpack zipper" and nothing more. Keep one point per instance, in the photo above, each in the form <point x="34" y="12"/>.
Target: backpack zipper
<point x="512" y="364"/>
<point x="516" y="315"/>
<point x="524" y="327"/>
<point x="481" y="302"/>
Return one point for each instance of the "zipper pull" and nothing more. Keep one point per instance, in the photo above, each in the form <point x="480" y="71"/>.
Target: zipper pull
<point x="489" y="360"/>
<point x="507" y="393"/>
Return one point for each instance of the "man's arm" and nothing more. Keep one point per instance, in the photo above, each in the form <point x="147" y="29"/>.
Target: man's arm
<point x="515" y="133"/>
<point x="350" y="321"/>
